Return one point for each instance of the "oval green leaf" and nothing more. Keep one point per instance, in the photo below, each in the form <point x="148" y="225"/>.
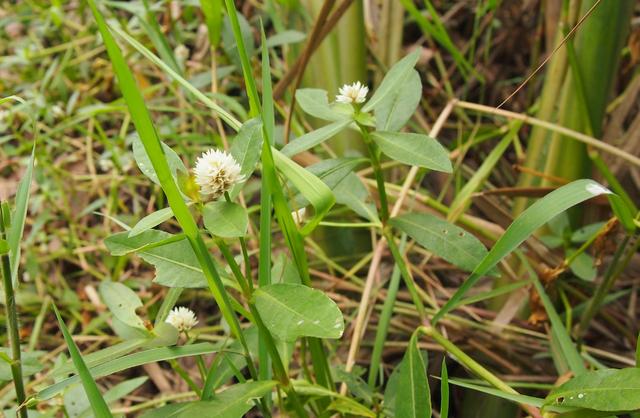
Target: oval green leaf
<point x="414" y="149"/>
<point x="225" y="219"/>
<point x="290" y="311"/>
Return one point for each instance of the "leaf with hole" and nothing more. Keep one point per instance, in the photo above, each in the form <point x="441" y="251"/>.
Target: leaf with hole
<point x="290" y="311"/>
<point x="414" y="149"/>
<point x="602" y="390"/>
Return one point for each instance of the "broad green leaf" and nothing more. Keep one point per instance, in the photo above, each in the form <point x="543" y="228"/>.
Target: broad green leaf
<point x="18" y="218"/>
<point x="316" y="103"/>
<point x="538" y="214"/>
<point x="150" y="221"/>
<point x="442" y="238"/>
<point x="175" y="262"/>
<point x="314" y="138"/>
<point x="331" y="171"/>
<point x="290" y="311"/>
<point x="144" y="163"/>
<point x="413" y="398"/>
<point x="233" y="402"/>
<point x="285" y="38"/>
<point x="397" y="108"/>
<point x="583" y="267"/>
<point x="414" y="149"/>
<point x="122" y="303"/>
<point x="353" y="194"/>
<point x="602" y="390"/>
<point x="245" y="149"/>
<point x="225" y="219"/>
<point x="393" y="80"/>
<point x="311" y="187"/>
<point x="132" y="360"/>
<point x="98" y="404"/>
<point x="583" y="234"/>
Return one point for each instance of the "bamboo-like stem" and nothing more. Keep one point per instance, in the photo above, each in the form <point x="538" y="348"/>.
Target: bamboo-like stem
<point x="12" y="319"/>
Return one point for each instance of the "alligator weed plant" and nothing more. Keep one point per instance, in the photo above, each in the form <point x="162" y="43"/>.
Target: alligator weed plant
<point x="272" y="345"/>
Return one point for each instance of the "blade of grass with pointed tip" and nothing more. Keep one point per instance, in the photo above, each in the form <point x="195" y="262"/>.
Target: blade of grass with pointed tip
<point x="149" y="137"/>
<point x="444" y="390"/>
<point x="539" y="213"/>
<point x="98" y="404"/>
<point x="131" y="360"/>
<point x="16" y="228"/>
<point x="224" y="115"/>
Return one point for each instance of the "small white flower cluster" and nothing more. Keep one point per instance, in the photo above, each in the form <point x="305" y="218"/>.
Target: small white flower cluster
<point x="183" y="319"/>
<point x="216" y="172"/>
<point x="352" y="93"/>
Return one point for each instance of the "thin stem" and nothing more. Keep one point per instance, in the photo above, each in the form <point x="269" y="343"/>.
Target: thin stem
<point x="12" y="320"/>
<point x="377" y="171"/>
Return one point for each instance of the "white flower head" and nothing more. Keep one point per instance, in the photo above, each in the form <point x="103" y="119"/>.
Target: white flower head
<point x="352" y="93"/>
<point x="298" y="215"/>
<point x="216" y="172"/>
<point x="183" y="319"/>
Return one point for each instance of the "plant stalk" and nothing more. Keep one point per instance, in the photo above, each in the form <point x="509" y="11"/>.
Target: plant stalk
<point x="12" y="321"/>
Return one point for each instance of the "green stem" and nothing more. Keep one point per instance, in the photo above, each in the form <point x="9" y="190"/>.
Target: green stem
<point x="377" y="171"/>
<point x="12" y="319"/>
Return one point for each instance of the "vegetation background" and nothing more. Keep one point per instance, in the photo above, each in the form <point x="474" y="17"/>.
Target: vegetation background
<point x="526" y="96"/>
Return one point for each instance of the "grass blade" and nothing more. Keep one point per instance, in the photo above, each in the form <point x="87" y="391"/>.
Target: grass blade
<point x="539" y="213"/>
<point x="98" y="404"/>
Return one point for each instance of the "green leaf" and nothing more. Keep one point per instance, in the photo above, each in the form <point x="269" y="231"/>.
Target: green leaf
<point x="233" y="402"/>
<point x="152" y="220"/>
<point x="353" y="194"/>
<point x="444" y="390"/>
<point x="101" y="356"/>
<point x="246" y="149"/>
<point x="414" y="149"/>
<point x="413" y="396"/>
<point x="583" y="267"/>
<point x="98" y="404"/>
<point x="122" y="303"/>
<point x="397" y="108"/>
<point x="4" y="247"/>
<point x="316" y="103"/>
<point x="229" y="41"/>
<point x="225" y="219"/>
<point x="16" y="228"/>
<point x="442" y="238"/>
<point x="312" y="188"/>
<point x="285" y="38"/>
<point x="314" y="138"/>
<point x="538" y="214"/>
<point x="290" y="311"/>
<point x="144" y="163"/>
<point x="175" y="262"/>
<point x="332" y="172"/>
<point x="132" y="360"/>
<point x="583" y="234"/>
<point x="602" y="390"/>
<point x="393" y="80"/>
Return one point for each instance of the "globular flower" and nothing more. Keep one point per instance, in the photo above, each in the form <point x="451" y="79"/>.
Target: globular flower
<point x="352" y="93"/>
<point x="298" y="215"/>
<point x="216" y="172"/>
<point x="183" y="319"/>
